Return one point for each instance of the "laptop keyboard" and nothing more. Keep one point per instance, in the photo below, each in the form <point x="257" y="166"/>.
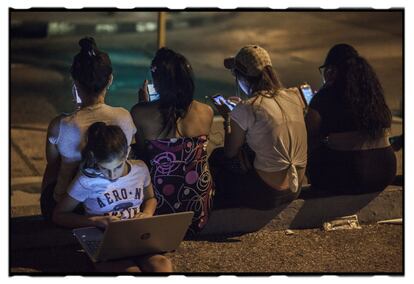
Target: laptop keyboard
<point x="92" y="246"/>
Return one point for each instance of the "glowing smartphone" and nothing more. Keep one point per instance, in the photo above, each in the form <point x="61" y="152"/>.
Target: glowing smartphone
<point x="75" y="95"/>
<point x="306" y="92"/>
<point x="152" y="93"/>
<point x="219" y="99"/>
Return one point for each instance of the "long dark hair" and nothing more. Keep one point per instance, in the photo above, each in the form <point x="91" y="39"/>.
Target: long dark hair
<point x="91" y="67"/>
<point x="357" y="84"/>
<point x="175" y="83"/>
<point x="103" y="144"/>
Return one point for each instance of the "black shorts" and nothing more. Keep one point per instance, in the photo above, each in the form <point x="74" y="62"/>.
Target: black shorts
<point x="237" y="189"/>
<point x="351" y="172"/>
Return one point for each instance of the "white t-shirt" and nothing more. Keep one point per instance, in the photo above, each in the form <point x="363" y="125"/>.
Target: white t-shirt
<point x="275" y="130"/>
<point x="70" y="140"/>
<point x="122" y="197"/>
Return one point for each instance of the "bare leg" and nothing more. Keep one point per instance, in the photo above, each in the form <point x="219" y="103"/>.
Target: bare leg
<point x="154" y="263"/>
<point x="117" y="266"/>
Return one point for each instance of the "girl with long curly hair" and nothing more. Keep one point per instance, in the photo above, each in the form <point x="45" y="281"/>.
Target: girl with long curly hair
<point x="348" y="125"/>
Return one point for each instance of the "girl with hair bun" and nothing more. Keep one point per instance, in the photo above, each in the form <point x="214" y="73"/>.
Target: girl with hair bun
<point x="91" y="68"/>
<point x="110" y="187"/>
<point x="91" y="72"/>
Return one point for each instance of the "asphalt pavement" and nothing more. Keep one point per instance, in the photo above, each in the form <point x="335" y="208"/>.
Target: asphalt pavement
<point x="372" y="249"/>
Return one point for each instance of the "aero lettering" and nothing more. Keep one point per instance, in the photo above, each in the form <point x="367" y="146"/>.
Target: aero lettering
<point x="117" y="195"/>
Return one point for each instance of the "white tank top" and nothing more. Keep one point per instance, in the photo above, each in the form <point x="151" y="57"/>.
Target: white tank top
<point x="70" y="140"/>
<point x="275" y="130"/>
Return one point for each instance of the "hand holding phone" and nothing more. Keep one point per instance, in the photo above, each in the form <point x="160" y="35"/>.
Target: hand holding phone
<point x="223" y="105"/>
<point x="153" y="95"/>
<point x="307" y="93"/>
<point x="220" y="100"/>
<point x="143" y="92"/>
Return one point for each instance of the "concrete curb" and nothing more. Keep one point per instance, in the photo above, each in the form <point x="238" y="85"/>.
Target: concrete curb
<point x="308" y="213"/>
<point x="33" y="232"/>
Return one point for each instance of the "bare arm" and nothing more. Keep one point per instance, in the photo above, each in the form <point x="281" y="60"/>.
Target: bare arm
<point x="235" y="136"/>
<point x="313" y="125"/>
<point x="52" y="167"/>
<point x="52" y="154"/>
<point x="210" y="114"/>
<point x="140" y="142"/>
<point x="143" y="97"/>
<point x="135" y="119"/>
<point x="233" y="141"/>
<point x="150" y="202"/>
<point x="63" y="215"/>
<point x="141" y="116"/>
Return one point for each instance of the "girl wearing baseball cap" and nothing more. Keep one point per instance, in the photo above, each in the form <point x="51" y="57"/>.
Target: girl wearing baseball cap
<point x="267" y="129"/>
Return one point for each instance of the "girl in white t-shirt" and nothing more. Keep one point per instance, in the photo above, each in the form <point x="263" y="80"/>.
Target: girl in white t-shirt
<point x="91" y="72"/>
<point x="262" y="164"/>
<point x="110" y="187"/>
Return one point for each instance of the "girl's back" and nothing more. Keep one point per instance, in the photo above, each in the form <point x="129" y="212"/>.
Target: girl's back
<point x="70" y="132"/>
<point x="149" y="121"/>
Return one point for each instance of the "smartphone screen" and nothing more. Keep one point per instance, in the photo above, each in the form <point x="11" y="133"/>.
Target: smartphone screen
<point x="153" y="95"/>
<point x="219" y="99"/>
<point x="307" y="93"/>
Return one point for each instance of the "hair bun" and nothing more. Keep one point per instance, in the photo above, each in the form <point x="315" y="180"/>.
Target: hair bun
<point x="88" y="45"/>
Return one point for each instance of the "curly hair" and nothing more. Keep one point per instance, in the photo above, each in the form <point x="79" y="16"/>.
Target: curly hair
<point x="360" y="89"/>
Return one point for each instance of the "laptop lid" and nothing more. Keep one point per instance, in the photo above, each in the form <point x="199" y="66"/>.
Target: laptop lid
<point x="133" y="237"/>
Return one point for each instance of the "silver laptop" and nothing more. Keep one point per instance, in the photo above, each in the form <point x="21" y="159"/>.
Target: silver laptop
<point x="134" y="237"/>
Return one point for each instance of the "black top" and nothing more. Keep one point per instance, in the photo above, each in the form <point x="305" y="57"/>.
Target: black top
<point x="336" y="116"/>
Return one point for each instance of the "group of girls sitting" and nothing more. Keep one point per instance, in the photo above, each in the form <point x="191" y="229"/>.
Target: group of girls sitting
<point x="105" y="163"/>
